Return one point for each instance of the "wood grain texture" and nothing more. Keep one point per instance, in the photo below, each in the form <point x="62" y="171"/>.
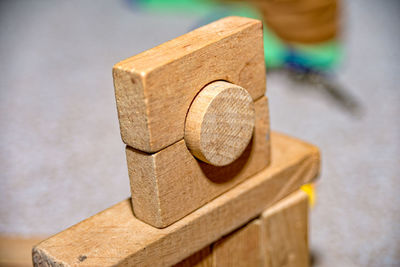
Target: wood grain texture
<point x="154" y="89"/>
<point x="16" y="251"/>
<point x="240" y="248"/>
<point x="115" y="237"/>
<point x="170" y="184"/>
<point x="202" y="258"/>
<point x="220" y="123"/>
<point x="285" y="232"/>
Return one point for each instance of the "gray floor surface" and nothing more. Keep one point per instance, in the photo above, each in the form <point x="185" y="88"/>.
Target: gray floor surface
<point x="62" y="159"/>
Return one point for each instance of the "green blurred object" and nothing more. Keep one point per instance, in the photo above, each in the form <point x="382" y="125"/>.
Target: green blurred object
<point x="278" y="54"/>
<point x="197" y="6"/>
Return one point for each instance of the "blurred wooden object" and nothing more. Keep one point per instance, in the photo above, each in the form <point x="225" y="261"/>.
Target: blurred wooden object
<point x="300" y="21"/>
<point x="16" y="251"/>
<point x="115" y="237"/>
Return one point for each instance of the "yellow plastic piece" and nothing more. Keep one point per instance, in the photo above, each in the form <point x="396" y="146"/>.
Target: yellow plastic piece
<point x="309" y="189"/>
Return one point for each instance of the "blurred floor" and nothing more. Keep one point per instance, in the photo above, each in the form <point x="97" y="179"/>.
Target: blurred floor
<point x="62" y="159"/>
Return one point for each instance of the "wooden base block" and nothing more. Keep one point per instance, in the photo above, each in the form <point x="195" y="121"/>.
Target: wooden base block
<point x="277" y="238"/>
<point x="240" y="248"/>
<point x="115" y="237"/>
<point x="202" y="258"/>
<point x="285" y="232"/>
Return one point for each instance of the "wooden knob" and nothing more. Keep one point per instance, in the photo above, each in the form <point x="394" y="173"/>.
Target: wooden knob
<point x="220" y="123"/>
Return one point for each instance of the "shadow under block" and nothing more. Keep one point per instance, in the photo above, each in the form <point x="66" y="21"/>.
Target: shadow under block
<point x="170" y="184"/>
<point x="285" y="232"/>
<point x="154" y="89"/>
<point x="240" y="248"/>
<point x="114" y="237"/>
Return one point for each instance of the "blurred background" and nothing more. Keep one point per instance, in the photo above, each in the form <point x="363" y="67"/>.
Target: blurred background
<point x="332" y="79"/>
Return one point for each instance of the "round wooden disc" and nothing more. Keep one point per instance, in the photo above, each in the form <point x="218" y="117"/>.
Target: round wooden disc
<point x="220" y="123"/>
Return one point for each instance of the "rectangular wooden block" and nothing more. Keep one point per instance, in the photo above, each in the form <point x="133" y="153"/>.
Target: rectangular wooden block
<point x="240" y="248"/>
<point x="285" y="232"/>
<point x="115" y="237"/>
<point x="154" y="89"/>
<point x="277" y="238"/>
<point x="170" y="184"/>
<point x="202" y="258"/>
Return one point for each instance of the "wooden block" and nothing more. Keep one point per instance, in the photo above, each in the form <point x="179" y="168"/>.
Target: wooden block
<point x="220" y="123"/>
<point x="240" y="248"/>
<point x="285" y="228"/>
<point x="115" y="237"/>
<point x="154" y="89"/>
<point x="170" y="184"/>
<point x="306" y="21"/>
<point x="201" y="258"/>
<point x="16" y="250"/>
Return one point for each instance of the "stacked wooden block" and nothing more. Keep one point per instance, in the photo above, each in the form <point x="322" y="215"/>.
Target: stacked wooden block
<point x="195" y="119"/>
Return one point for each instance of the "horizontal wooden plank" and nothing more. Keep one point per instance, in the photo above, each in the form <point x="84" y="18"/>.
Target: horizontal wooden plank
<point x="115" y="237"/>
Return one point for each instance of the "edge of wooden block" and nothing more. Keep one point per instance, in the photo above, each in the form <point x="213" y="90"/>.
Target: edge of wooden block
<point x="150" y="60"/>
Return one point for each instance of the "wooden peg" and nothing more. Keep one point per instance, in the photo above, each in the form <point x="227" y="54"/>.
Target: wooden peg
<point x="220" y="123"/>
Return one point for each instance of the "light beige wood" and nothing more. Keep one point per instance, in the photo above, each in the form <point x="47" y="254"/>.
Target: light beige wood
<point x="201" y="258"/>
<point x="154" y="89"/>
<point x="115" y="237"/>
<point x="240" y="248"/>
<point x="17" y="250"/>
<point x="220" y="123"/>
<point x="170" y="184"/>
<point x="285" y="231"/>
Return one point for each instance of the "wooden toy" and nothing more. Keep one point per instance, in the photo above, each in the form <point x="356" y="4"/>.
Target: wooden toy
<point x="206" y="191"/>
<point x="199" y="96"/>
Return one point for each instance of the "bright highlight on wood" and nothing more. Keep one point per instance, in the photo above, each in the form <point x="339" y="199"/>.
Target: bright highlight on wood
<point x="220" y="123"/>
